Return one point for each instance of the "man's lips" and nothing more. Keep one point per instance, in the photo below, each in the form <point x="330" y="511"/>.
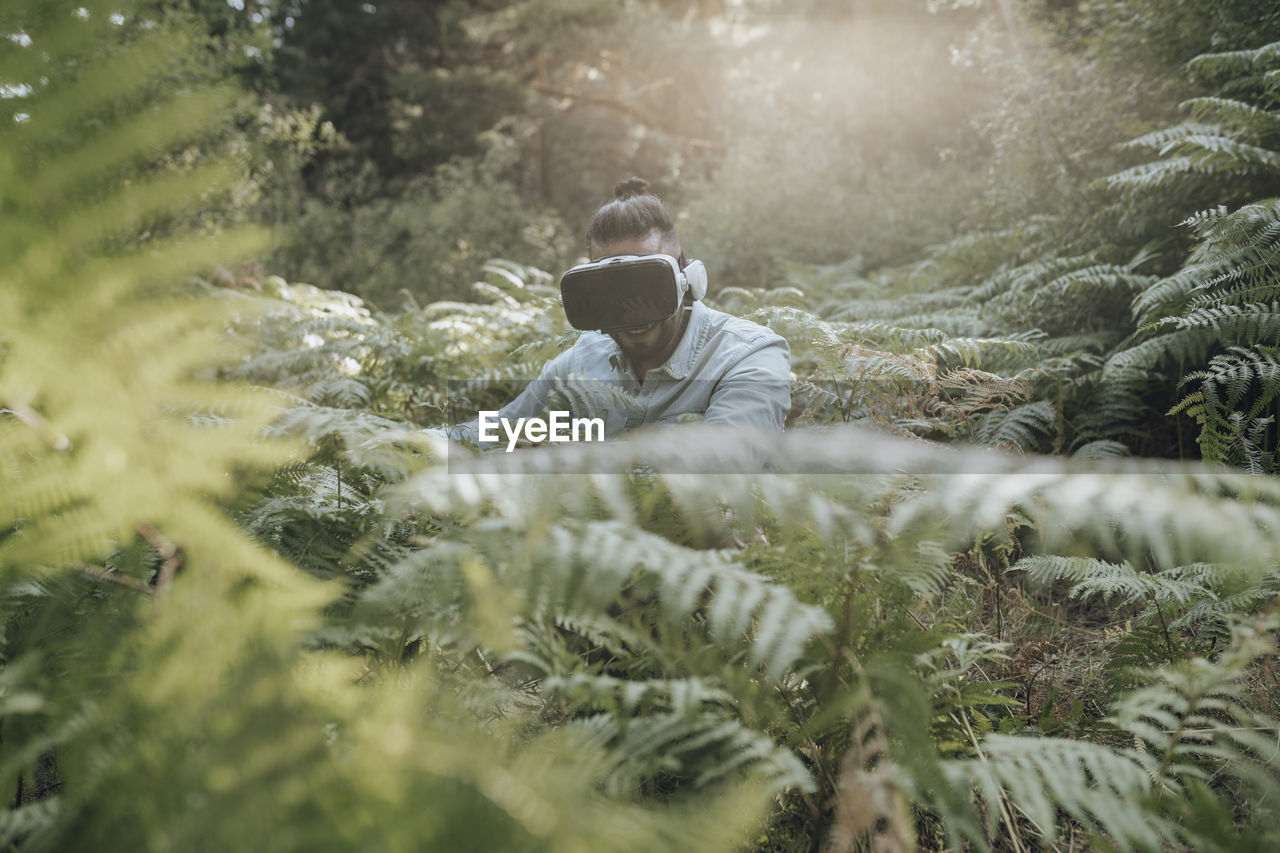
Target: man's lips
<point x="636" y="331"/>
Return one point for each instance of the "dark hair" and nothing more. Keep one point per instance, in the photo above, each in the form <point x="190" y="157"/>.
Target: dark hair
<point x="632" y="213"/>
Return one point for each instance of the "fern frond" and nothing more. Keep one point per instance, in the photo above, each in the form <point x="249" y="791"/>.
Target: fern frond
<point x="1194" y="723"/>
<point x="1244" y="324"/>
<point x="1093" y="784"/>
<point x="1110" y="581"/>
<point x="1022" y="428"/>
<point x="1234" y="114"/>
<point x="628" y="697"/>
<point x="1149" y="177"/>
<point x="1161" y="139"/>
<point x="1235" y="63"/>
<point x="1181" y="347"/>
<point x="707" y="750"/>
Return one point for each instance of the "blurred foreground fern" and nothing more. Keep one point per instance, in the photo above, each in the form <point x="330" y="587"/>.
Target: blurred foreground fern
<point x="156" y="692"/>
<point x="545" y="650"/>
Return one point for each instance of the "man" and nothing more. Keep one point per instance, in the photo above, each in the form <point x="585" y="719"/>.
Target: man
<point x="695" y="362"/>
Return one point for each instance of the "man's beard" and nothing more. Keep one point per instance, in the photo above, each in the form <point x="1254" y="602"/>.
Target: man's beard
<point x="650" y="350"/>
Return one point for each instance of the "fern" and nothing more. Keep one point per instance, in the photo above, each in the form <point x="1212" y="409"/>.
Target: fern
<point x="1236" y="63"/>
<point x="641" y="644"/>
<point x="1237" y="388"/>
<point x="1094" y="785"/>
<point x="1192" y="722"/>
<point x="1116" y="582"/>
<point x="1022" y="428"/>
<point x="160" y="692"/>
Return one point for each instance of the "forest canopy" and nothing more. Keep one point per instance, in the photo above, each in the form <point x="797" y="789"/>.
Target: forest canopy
<point x="1007" y="580"/>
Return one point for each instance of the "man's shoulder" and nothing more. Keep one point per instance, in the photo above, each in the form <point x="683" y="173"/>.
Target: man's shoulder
<point x="737" y="328"/>
<point x="732" y="344"/>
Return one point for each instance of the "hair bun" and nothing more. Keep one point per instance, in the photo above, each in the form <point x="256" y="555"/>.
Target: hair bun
<point x="623" y="190"/>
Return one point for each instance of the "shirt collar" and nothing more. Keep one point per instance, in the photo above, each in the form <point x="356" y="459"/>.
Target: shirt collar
<point x="679" y="364"/>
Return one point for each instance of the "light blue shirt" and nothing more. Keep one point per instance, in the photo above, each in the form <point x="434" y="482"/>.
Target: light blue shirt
<point x="725" y="369"/>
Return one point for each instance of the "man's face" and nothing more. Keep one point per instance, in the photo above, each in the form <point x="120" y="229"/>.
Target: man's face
<point x="646" y="343"/>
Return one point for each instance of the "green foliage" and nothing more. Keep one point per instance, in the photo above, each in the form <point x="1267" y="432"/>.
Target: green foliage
<point x="687" y="667"/>
<point x="246" y="602"/>
<point x="156" y="692"/>
<point x="431" y="240"/>
<point x="388" y="77"/>
<point x="1218" y="308"/>
<point x="1075" y="332"/>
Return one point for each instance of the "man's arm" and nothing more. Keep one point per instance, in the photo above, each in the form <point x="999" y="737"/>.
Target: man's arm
<point x="756" y="390"/>
<point x="530" y="402"/>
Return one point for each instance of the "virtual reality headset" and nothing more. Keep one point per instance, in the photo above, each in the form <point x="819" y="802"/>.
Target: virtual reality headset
<point x="628" y="291"/>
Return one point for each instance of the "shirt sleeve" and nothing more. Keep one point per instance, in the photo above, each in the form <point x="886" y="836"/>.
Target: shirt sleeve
<point x="755" y="391"/>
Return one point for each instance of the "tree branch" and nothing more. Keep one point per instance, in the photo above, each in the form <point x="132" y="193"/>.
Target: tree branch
<point x="172" y="556"/>
<point x="108" y="576"/>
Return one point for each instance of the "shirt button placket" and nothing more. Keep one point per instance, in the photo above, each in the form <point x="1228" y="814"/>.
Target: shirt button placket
<point x="639" y="406"/>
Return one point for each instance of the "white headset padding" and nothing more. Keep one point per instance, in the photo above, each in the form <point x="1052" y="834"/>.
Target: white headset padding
<point x="696" y="276"/>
